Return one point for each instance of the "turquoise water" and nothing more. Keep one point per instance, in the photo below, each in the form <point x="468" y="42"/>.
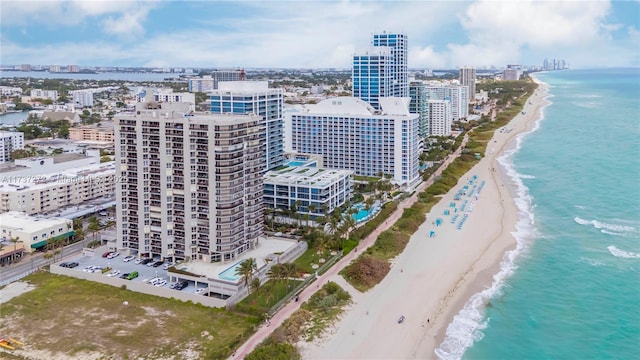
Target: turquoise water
<point x="571" y="290"/>
<point x="297" y="163"/>
<point x="230" y="273"/>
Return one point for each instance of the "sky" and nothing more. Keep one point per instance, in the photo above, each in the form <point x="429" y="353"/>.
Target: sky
<point x="316" y="34"/>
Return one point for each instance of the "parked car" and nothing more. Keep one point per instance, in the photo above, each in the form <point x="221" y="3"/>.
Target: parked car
<point x="140" y="260"/>
<point x="160" y="283"/>
<point x="200" y="291"/>
<point x="181" y="285"/>
<point x="124" y="276"/>
<point x="166" y="266"/>
<point x="146" y="261"/>
<point x="64" y="264"/>
<point x="113" y="255"/>
<point x="158" y="263"/>
<point x="150" y="263"/>
<point x="113" y="273"/>
<point x="128" y="258"/>
<point x="132" y="275"/>
<point x="107" y="254"/>
<point x="72" y="264"/>
<point x="154" y="280"/>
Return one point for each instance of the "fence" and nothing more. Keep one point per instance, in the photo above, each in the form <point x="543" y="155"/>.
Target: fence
<point x="18" y="277"/>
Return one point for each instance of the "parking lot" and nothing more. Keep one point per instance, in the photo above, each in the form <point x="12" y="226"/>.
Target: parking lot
<point x="145" y="273"/>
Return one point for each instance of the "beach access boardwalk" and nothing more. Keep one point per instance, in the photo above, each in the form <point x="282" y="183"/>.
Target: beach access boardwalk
<point x="332" y="274"/>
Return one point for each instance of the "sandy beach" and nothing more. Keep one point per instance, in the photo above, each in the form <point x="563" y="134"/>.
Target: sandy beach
<point x="434" y="277"/>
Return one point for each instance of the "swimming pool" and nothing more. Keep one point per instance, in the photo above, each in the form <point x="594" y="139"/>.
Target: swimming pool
<point x="230" y="273"/>
<point x="296" y="163"/>
<point x="363" y="214"/>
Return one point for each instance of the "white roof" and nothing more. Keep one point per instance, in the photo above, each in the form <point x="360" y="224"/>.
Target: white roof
<point x="16" y="220"/>
<point x="395" y="105"/>
<point x="346" y="105"/>
<point x="243" y="85"/>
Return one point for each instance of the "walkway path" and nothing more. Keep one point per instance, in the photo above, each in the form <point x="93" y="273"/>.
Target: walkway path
<point x="332" y="274"/>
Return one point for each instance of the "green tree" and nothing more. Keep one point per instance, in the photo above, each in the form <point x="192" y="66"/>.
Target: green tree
<point x="94" y="226"/>
<point x="254" y="285"/>
<point x="246" y="270"/>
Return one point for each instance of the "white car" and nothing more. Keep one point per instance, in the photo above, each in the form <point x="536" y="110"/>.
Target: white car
<point x="154" y="281"/>
<point x="200" y="291"/>
<point x="113" y="255"/>
<point x="161" y="283"/>
<point x="113" y="273"/>
<point x="167" y="265"/>
<point x="128" y="258"/>
<point x="139" y="260"/>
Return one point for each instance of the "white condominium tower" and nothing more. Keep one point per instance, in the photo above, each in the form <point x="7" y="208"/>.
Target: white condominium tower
<point x="440" y="117"/>
<point x="350" y="134"/>
<point x="191" y="184"/>
<point x="10" y="141"/>
<point x="254" y="97"/>
<point x="468" y="78"/>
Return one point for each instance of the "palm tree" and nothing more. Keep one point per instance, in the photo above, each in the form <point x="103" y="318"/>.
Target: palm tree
<point x="312" y="210"/>
<point x="368" y="203"/>
<point x="94" y="226"/>
<point x="276" y="272"/>
<point x="47" y="256"/>
<point x="333" y="224"/>
<point x="254" y="285"/>
<point x="289" y="270"/>
<point x="246" y="270"/>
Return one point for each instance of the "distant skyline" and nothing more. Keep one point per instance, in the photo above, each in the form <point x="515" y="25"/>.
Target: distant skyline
<point x="311" y="34"/>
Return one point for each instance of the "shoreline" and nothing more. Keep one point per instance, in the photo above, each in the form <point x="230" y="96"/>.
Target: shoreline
<point x="435" y="278"/>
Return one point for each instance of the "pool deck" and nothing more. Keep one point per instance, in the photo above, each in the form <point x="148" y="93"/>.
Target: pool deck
<point x="264" y="248"/>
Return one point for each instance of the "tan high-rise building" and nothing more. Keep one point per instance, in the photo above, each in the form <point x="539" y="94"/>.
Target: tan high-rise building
<point x="190" y="184"/>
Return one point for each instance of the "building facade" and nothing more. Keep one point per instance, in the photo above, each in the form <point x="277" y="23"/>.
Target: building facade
<point x="92" y="133"/>
<point x="468" y="78"/>
<point x="397" y="43"/>
<point x="44" y="94"/>
<point x="83" y="98"/>
<point x="255" y="97"/>
<point x="10" y="141"/>
<point x="350" y="134"/>
<point x="32" y="232"/>
<point x="419" y="105"/>
<point x="210" y="82"/>
<point x="190" y="186"/>
<point x="440" y="117"/>
<point x="47" y="192"/>
<point x="372" y="75"/>
<point x="310" y="190"/>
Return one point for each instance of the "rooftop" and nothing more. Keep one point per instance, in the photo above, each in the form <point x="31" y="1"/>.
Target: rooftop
<point x="305" y="175"/>
<point x="79" y="174"/>
<point x="15" y="220"/>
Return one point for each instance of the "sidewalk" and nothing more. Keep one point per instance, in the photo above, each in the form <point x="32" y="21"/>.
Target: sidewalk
<point x="332" y="273"/>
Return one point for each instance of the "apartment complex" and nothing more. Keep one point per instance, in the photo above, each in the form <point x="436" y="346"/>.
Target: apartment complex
<point x="383" y="70"/>
<point x="104" y="132"/>
<point x="313" y="191"/>
<point x="457" y="95"/>
<point x="33" y="232"/>
<point x="190" y="184"/>
<point x="468" y="78"/>
<point x="350" y="134"/>
<point x="419" y="105"/>
<point x="165" y="95"/>
<point x="10" y="141"/>
<point x="82" y="98"/>
<point x="44" y="94"/>
<point x="440" y="117"/>
<point x="255" y="97"/>
<point x="47" y="192"/>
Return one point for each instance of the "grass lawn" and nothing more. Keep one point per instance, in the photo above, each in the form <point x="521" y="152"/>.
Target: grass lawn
<point x="310" y="257"/>
<point x="261" y="301"/>
<point x="64" y="315"/>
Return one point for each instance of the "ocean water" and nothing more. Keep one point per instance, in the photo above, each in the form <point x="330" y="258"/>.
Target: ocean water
<point x="571" y="289"/>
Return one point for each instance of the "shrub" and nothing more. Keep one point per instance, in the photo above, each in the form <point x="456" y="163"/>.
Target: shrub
<point x="366" y="271"/>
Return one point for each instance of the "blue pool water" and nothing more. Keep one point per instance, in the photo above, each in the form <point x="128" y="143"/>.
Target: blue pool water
<point x="362" y="213"/>
<point x="230" y="273"/>
<point x="296" y="163"/>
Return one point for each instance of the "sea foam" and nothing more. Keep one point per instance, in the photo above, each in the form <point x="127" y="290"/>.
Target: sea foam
<point x="606" y="228"/>
<point x="466" y="327"/>
<point x="622" y="254"/>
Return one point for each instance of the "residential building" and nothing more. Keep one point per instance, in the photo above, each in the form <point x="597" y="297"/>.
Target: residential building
<point x="165" y="95"/>
<point x="418" y="105"/>
<point x="47" y="192"/>
<point x="33" y="232"/>
<point x="397" y="43"/>
<point x="35" y="166"/>
<point x="44" y="94"/>
<point x="190" y="183"/>
<point x="456" y="94"/>
<point x="10" y="90"/>
<point x="440" y="117"/>
<point x="468" y="78"/>
<point x="103" y="132"/>
<point x="510" y="74"/>
<point x="10" y="141"/>
<point x="25" y="67"/>
<point x="372" y="75"/>
<point x="350" y="134"/>
<point x="83" y="98"/>
<point x="54" y="68"/>
<point x="255" y="97"/>
<point x="210" y="82"/>
<point x="72" y="68"/>
<point x="311" y="190"/>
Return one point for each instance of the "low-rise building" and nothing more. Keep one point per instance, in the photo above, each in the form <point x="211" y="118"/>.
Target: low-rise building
<point x="311" y="190"/>
<point x="104" y="132"/>
<point x="44" y="94"/>
<point x="10" y="141"/>
<point x="33" y="232"/>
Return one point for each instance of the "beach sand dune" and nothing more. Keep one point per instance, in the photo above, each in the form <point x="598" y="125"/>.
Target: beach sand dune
<point x="434" y="277"/>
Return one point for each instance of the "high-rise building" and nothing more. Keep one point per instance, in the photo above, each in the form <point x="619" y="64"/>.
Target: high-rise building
<point x="418" y="105"/>
<point x="83" y="98"/>
<point x="510" y="74"/>
<point x="10" y="141"/>
<point x="54" y="68"/>
<point x="72" y="68"/>
<point x="210" y="82"/>
<point x="468" y="78"/>
<point x="399" y="52"/>
<point x="190" y="184"/>
<point x="457" y="95"/>
<point x="382" y="71"/>
<point x="255" y="97"/>
<point x="350" y="134"/>
<point x="372" y="75"/>
<point x="440" y="117"/>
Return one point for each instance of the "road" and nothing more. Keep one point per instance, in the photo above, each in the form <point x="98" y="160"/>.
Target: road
<point x="331" y="275"/>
